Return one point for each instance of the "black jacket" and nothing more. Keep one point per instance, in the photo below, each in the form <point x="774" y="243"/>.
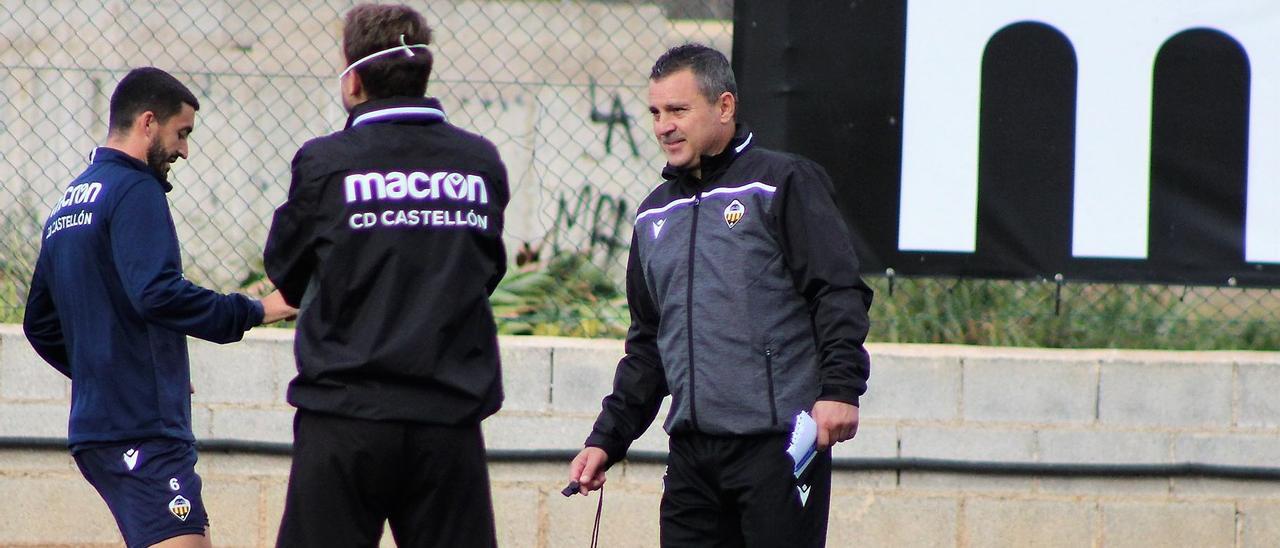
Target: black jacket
<point x="746" y="302"/>
<point x="391" y="241"/>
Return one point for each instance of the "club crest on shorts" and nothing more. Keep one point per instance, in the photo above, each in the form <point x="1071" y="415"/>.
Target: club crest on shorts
<point x="130" y="458"/>
<point x="733" y="213"/>
<point x="180" y="507"/>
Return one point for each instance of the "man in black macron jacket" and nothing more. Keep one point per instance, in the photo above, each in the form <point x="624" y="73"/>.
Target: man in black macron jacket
<point x="390" y="242"/>
<point x="748" y="309"/>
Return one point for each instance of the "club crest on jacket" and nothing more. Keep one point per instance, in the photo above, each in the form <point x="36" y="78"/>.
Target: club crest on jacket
<point x="733" y="213"/>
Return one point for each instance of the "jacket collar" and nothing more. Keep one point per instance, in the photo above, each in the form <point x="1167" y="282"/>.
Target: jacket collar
<point x="412" y="110"/>
<point x="742" y="140"/>
<point x="102" y="155"/>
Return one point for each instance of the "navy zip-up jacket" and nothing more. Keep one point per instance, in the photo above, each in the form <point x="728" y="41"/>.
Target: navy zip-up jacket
<point x="746" y="301"/>
<point x="110" y="309"/>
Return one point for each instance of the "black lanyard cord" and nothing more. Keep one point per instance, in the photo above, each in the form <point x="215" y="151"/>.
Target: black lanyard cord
<point x="595" y="531"/>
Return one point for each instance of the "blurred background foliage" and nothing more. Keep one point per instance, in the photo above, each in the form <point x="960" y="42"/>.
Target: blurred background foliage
<point x="570" y="296"/>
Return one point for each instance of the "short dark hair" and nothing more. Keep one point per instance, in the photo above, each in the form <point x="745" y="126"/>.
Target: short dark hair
<point x="710" y="67"/>
<point x="370" y="28"/>
<point x="147" y="89"/>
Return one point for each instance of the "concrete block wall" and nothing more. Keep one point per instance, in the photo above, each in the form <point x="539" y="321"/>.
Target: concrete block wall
<point x="926" y="402"/>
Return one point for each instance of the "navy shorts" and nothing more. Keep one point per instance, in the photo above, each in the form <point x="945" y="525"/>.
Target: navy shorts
<point x="150" y="486"/>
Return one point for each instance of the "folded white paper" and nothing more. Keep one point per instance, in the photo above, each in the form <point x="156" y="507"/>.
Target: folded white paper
<point x="804" y="442"/>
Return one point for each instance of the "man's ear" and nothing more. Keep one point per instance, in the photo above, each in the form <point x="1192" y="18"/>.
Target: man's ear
<point x="142" y="124"/>
<point x="352" y="85"/>
<point x="727" y="107"/>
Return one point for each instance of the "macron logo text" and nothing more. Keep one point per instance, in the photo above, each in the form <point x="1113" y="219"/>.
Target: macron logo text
<point x="415" y="185"/>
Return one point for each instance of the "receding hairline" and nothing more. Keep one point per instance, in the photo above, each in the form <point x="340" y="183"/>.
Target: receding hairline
<point x="708" y="93"/>
<point x="710" y="68"/>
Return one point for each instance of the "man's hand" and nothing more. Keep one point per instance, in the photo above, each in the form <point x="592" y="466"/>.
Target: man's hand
<point x="588" y="469"/>
<point x="837" y="422"/>
<point x="274" y="309"/>
<point x="258" y="289"/>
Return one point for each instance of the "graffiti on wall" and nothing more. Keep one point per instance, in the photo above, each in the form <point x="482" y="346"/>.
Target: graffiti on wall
<point x="604" y="218"/>
<point x="616" y="117"/>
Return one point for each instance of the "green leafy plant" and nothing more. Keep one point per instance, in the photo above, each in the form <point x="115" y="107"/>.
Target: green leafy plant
<point x="20" y="230"/>
<point x="566" y="296"/>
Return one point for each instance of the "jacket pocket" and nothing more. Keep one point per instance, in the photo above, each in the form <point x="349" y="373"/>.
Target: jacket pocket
<point x="768" y="372"/>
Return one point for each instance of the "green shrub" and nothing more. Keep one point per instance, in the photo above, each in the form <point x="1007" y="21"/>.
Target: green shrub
<point x="1041" y="314"/>
<point x="566" y="296"/>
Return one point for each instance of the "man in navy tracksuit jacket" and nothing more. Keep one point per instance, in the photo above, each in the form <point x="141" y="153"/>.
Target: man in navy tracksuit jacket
<point x="110" y="309"/>
<point x="747" y="308"/>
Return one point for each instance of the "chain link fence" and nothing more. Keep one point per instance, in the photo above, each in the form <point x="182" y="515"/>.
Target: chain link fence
<point x="559" y="86"/>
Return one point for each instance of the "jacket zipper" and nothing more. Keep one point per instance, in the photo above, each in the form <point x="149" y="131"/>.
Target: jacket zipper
<point x="768" y="369"/>
<point x="688" y="307"/>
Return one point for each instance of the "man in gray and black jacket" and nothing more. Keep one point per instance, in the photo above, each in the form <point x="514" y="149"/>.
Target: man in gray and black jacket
<point x="747" y="308"/>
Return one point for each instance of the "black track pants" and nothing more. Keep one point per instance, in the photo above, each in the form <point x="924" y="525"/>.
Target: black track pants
<point x="740" y="491"/>
<point x="350" y="475"/>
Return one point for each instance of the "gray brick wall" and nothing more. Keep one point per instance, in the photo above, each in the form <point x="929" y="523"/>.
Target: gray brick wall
<point x="1145" y="524"/>
<point x="1257" y="385"/>
<point x="1030" y="390"/>
<point x="1019" y="522"/>
<point x="934" y="402"/>
<point x="1181" y="394"/>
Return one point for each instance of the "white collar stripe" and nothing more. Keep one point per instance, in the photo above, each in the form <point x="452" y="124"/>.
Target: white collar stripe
<point x="399" y="112"/>
<point x="663" y="209"/>
<point x="727" y="190"/>
<point x="740" y="189"/>
<point x="738" y="149"/>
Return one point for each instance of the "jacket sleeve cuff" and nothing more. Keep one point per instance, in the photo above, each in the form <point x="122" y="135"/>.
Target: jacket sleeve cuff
<point x="256" y="314"/>
<point x="843" y="394"/>
<point x="614" y="450"/>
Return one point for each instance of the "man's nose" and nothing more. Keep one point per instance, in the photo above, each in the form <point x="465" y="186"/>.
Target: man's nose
<point x="662" y="125"/>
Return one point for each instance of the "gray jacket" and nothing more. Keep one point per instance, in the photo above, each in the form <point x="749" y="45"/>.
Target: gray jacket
<point x="746" y="302"/>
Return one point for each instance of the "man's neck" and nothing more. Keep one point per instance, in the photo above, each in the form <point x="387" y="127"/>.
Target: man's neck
<point x="722" y="146"/>
<point x="353" y="101"/>
<point x="136" y="148"/>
